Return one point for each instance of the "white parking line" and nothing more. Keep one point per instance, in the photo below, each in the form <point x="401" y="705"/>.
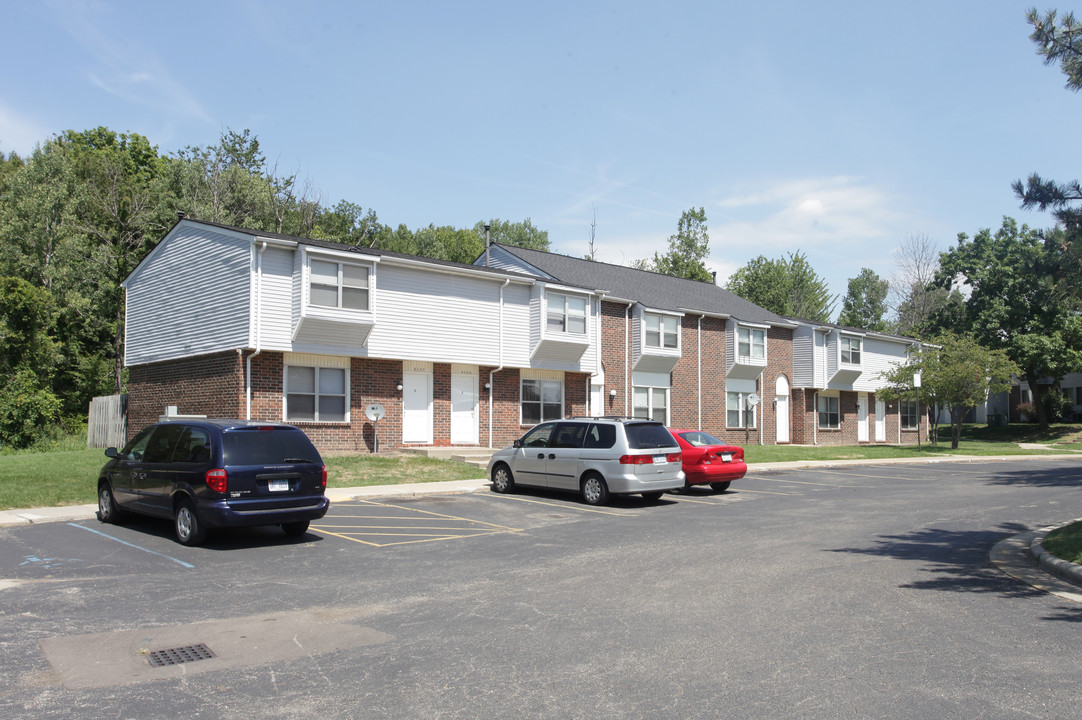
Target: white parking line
<point x="124" y="542"/>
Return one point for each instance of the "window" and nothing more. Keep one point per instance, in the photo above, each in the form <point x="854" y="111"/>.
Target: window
<point x="316" y="394"/>
<point x="162" y="443"/>
<point x="542" y="400"/>
<point x="909" y="414"/>
<point x="737" y="411"/>
<point x="851" y="350"/>
<point x="600" y="437"/>
<point x="751" y="343"/>
<point x="568" y="435"/>
<point x="339" y="285"/>
<point x="193" y="447"/>
<point x="661" y="331"/>
<point x="566" y="314"/>
<point x="830" y="416"/>
<point x="539" y="436"/>
<point x="651" y="402"/>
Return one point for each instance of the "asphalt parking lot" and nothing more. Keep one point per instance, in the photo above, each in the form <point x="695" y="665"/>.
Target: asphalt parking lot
<point x="863" y="592"/>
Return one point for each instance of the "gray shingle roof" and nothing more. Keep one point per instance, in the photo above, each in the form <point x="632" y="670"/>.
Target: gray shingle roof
<point x="661" y="292"/>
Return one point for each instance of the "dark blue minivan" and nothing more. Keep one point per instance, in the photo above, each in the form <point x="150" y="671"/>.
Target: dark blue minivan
<point x="216" y="473"/>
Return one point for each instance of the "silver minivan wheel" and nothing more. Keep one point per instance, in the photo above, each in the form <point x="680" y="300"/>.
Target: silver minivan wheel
<point x="189" y="529"/>
<point x="594" y="490"/>
<point x="502" y="481"/>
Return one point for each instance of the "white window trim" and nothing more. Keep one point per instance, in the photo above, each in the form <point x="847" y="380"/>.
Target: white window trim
<point x="843" y="342"/>
<point x="743" y="411"/>
<point x="370" y="285"/>
<point x="550" y="294"/>
<point x="819" y="413"/>
<point x="650" y="400"/>
<point x="331" y="365"/>
<point x="751" y="329"/>
<point x="902" y="415"/>
<point x="661" y="317"/>
<point x="542" y="380"/>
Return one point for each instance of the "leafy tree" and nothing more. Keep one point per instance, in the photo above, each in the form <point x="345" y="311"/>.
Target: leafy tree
<point x="521" y="234"/>
<point x="786" y="286"/>
<point x="957" y="373"/>
<point x="914" y="295"/>
<point x="28" y="357"/>
<point x="688" y="249"/>
<point x="1015" y="302"/>
<point x="224" y="183"/>
<point x="865" y="305"/>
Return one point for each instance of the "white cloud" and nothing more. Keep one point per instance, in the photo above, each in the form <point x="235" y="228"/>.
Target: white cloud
<point x="124" y="67"/>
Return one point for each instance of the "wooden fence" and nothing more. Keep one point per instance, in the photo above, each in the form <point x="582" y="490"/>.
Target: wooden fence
<point x="107" y="425"/>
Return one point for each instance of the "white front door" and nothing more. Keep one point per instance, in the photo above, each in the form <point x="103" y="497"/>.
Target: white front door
<point x="597" y="400"/>
<point x="464" y="427"/>
<point x="417" y="407"/>
<point x="781" y="411"/>
<point x="862" y="417"/>
<point x="880" y="421"/>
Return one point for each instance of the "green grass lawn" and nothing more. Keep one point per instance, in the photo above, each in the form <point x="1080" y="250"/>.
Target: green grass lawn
<point x="1065" y="542"/>
<point x="66" y="475"/>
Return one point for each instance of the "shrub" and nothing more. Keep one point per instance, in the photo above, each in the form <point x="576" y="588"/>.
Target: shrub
<point x="1027" y="412"/>
<point x="27" y="410"/>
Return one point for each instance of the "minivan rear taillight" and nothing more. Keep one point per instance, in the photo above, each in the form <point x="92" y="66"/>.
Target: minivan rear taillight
<point x="673" y="457"/>
<point x="217" y="480"/>
<point x="324" y="477"/>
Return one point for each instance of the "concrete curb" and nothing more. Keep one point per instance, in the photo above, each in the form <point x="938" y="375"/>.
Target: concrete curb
<point x="1069" y="571"/>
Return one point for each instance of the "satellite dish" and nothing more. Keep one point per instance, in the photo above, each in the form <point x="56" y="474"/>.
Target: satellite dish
<point x="753" y="399"/>
<point x="374" y="412"/>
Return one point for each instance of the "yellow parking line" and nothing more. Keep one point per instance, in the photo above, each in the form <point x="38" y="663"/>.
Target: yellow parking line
<point x="410" y="542"/>
<point x="761" y="492"/>
<point x="681" y="498"/>
<point x="442" y="515"/>
<point x="560" y="505"/>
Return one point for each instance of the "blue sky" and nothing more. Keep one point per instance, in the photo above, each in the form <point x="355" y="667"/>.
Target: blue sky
<point x="832" y="128"/>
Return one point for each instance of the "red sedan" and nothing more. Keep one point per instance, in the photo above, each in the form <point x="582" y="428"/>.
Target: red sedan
<point x="709" y="460"/>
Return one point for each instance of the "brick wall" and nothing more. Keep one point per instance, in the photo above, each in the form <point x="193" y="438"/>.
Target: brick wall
<point x="211" y="385"/>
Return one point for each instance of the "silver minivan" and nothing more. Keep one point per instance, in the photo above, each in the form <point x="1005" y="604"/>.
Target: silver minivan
<point x="594" y="456"/>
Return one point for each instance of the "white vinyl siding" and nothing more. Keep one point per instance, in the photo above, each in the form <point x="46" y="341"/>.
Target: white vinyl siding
<point x="189" y="297"/>
<point x="274" y="288"/>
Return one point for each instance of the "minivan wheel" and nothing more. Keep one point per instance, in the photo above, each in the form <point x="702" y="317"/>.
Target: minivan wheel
<point x="190" y="530"/>
<point x="594" y="490"/>
<point x="653" y="495"/>
<point x="502" y="479"/>
<point x="295" y="529"/>
<point x="108" y="510"/>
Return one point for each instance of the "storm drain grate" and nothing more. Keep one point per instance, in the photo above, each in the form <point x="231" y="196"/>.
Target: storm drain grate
<point x="176" y="656"/>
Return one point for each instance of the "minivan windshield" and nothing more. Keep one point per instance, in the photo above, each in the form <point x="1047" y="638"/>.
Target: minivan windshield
<point x="268" y="446"/>
<point x="648" y="436"/>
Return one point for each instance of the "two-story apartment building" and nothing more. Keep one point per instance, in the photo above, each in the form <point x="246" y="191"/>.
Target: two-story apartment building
<point x="227" y="321"/>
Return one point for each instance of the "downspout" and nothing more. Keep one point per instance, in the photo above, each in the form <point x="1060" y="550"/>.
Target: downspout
<point x="627" y="360"/>
<point x="258" y="330"/>
<point x="699" y="356"/>
<point x="492" y="374"/>
<point x="597" y="360"/>
<point x="762" y="415"/>
<point x="815" y="419"/>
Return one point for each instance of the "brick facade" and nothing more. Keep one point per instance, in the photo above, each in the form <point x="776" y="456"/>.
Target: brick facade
<point x="214" y="385"/>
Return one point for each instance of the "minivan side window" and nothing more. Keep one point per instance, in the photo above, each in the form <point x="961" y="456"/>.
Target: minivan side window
<point x="600" y="437"/>
<point x="194" y="446"/>
<point x="539" y="436"/>
<point x="162" y="442"/>
<point x="568" y="435"/>
<point x="138" y="445"/>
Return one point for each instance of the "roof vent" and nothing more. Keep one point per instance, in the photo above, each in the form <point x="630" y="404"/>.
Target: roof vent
<point x="181" y="214"/>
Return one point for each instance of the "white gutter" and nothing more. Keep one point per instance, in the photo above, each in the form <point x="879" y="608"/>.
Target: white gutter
<point x="762" y="415"/>
<point x="699" y="356"/>
<point x="492" y="374"/>
<point x="815" y="420"/>
<point x="627" y="360"/>
<point x="258" y="330"/>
